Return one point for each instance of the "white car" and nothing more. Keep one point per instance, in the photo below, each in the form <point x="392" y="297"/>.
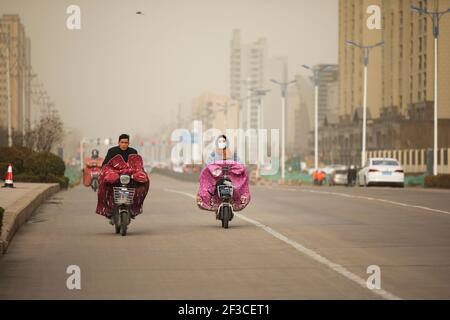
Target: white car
<point x="382" y="171"/>
<point x="338" y="176"/>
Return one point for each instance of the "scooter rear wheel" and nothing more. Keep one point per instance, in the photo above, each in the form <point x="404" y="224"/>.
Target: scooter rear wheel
<point x="116" y="221"/>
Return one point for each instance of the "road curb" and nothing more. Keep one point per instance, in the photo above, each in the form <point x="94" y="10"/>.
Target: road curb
<point x="17" y="214"/>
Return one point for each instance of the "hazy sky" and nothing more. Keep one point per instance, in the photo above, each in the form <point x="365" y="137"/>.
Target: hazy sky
<point x="124" y="72"/>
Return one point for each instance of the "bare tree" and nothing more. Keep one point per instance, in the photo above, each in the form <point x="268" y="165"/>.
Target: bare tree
<point x="48" y="132"/>
<point x="30" y="137"/>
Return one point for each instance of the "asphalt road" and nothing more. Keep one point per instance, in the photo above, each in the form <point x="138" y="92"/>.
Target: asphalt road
<point x="290" y="243"/>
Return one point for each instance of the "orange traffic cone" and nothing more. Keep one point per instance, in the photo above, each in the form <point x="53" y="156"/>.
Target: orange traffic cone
<point x="9" y="178"/>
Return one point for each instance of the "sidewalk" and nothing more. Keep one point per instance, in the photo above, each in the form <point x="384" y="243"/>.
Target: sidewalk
<point x="19" y="204"/>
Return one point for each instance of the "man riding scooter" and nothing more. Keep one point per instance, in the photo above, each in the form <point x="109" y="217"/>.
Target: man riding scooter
<point x="91" y="171"/>
<point x="123" y="185"/>
<point x="122" y="149"/>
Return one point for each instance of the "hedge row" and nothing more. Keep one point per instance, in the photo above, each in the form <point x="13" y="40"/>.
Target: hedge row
<point x="32" y="166"/>
<point x="439" y="181"/>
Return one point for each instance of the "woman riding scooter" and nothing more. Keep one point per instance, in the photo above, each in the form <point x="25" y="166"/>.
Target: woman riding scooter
<point x="91" y="171"/>
<point x="222" y="151"/>
<point x="223" y="174"/>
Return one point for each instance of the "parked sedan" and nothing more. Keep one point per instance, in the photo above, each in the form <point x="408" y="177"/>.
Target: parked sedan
<point x="338" y="176"/>
<point x="382" y="171"/>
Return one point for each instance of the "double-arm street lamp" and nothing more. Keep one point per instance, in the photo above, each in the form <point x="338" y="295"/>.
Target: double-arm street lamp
<point x="260" y="93"/>
<point x="283" y="87"/>
<point x="366" y="52"/>
<point x="435" y="17"/>
<point x="316" y="79"/>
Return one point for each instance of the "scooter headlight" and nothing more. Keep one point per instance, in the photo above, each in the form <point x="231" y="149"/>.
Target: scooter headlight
<point x="125" y="179"/>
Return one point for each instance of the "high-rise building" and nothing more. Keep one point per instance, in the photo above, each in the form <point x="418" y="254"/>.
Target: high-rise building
<point x="248" y="67"/>
<point x="408" y="60"/>
<point x="252" y="68"/>
<point x="332" y="99"/>
<point x="353" y="26"/>
<point x="328" y="82"/>
<point x="12" y="46"/>
<point x="401" y="79"/>
<point x="401" y="73"/>
<point x="299" y="116"/>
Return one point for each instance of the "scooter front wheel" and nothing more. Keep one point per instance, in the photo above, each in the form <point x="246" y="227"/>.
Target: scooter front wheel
<point x="124" y="221"/>
<point x="94" y="185"/>
<point x="226" y="216"/>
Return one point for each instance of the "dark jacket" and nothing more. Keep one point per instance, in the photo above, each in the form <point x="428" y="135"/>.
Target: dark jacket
<point x="112" y="152"/>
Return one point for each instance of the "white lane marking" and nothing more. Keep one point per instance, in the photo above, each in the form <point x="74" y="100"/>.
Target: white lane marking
<point x="308" y="252"/>
<point x="372" y="199"/>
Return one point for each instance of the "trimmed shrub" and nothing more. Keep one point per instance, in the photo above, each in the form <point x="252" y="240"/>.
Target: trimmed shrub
<point x="439" y="181"/>
<point x="45" y="164"/>
<point x="31" y="166"/>
<point x="15" y="155"/>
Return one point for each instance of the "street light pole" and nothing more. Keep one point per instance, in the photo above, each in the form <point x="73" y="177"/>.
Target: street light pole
<point x="366" y="52"/>
<point x="240" y="106"/>
<point x="260" y="93"/>
<point x="8" y="94"/>
<point x="316" y="78"/>
<point x="283" y="88"/>
<point x="364" y="133"/>
<point x="23" y="106"/>
<point x="82" y="153"/>
<point x="24" y="95"/>
<point x="316" y="127"/>
<point x="224" y="108"/>
<point x="4" y="37"/>
<point x="435" y="17"/>
<point x="249" y="102"/>
<point x="27" y="75"/>
<point x="260" y="113"/>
